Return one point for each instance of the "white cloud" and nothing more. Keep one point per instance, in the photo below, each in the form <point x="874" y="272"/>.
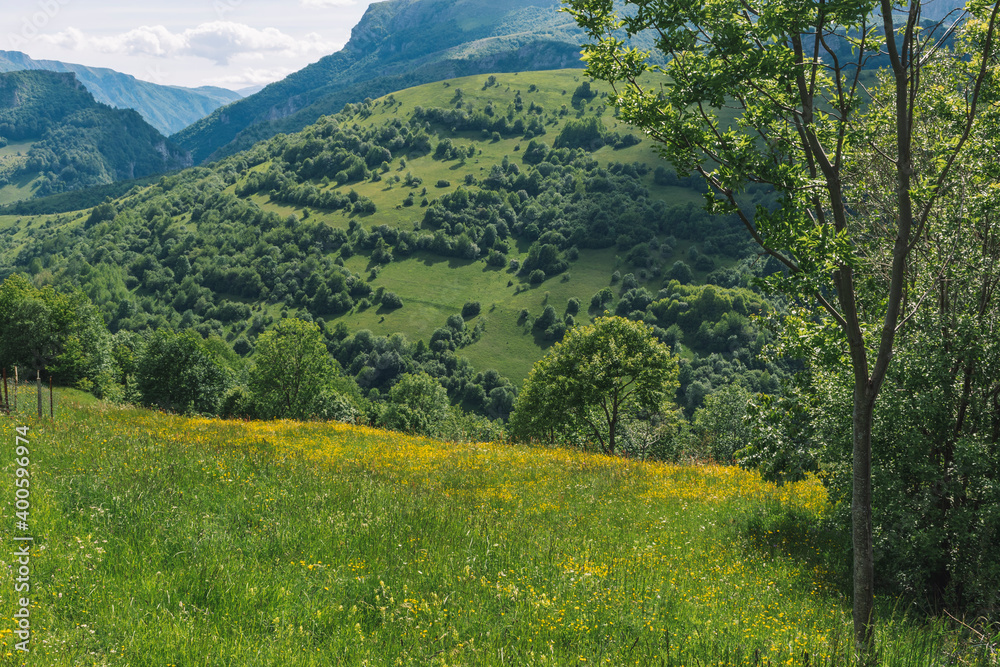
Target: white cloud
<point x="71" y="39"/>
<point x="144" y="40"/>
<point x="251" y="77"/>
<point x="218" y="41"/>
<point x="327" y="3"/>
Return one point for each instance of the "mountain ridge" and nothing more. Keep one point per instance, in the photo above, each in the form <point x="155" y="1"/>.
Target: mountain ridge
<point x="167" y="108"/>
<point x="397" y="44"/>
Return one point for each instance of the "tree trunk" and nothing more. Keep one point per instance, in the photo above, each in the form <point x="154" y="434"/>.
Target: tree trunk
<point x="861" y="524"/>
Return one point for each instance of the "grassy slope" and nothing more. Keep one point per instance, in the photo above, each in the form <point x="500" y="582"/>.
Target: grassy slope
<point x="432" y="288"/>
<point x="165" y="540"/>
<point x="11" y="159"/>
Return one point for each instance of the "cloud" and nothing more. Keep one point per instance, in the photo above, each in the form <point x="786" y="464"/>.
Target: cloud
<point x="71" y="39"/>
<point x="252" y="77"/>
<point x="327" y="3"/>
<point x="218" y="41"/>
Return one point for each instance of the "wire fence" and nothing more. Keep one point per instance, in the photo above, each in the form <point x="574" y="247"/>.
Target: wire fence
<point x="20" y="395"/>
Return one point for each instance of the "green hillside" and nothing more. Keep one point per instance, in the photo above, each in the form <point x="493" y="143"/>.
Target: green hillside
<point x="57" y="138"/>
<point x="167" y="108"/>
<point x="454" y="228"/>
<point x="397" y="44"/>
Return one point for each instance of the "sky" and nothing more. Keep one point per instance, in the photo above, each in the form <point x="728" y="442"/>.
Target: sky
<point x="228" y="43"/>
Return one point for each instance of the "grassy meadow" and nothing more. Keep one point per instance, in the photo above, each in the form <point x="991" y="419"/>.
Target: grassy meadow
<point x="164" y="540"/>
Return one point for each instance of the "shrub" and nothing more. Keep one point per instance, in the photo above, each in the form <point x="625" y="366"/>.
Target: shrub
<point x="391" y="300"/>
<point x="471" y="309"/>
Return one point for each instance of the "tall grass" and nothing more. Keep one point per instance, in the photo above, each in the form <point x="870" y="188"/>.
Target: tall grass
<point x="162" y="540"/>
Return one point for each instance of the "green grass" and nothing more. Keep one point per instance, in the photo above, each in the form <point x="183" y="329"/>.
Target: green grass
<point x="20" y="189"/>
<point x="433" y="288"/>
<point x="161" y="540"/>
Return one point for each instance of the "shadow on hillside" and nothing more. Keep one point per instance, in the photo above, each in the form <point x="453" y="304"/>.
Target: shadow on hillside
<point x="453" y="262"/>
<point x="774" y="531"/>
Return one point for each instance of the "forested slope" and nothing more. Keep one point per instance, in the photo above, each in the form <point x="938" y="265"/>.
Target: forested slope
<point x="66" y="140"/>
<point x="453" y="228"/>
<point x="167" y="108"/>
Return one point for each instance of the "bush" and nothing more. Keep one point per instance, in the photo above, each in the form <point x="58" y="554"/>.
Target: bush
<point x="536" y="277"/>
<point x="391" y="300"/>
<point x="496" y="259"/>
<point x="443" y="183"/>
<point x="471" y="309"/>
<point x="416" y="404"/>
<point x="176" y="372"/>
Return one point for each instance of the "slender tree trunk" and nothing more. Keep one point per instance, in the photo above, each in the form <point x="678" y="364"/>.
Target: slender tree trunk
<point x="861" y="524"/>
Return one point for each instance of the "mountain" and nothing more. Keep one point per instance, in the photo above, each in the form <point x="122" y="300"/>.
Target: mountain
<point x="56" y="137"/>
<point x="167" y="108"/>
<point x="397" y="44"/>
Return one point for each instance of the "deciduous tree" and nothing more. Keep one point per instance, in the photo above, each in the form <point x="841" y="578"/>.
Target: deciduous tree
<point x="592" y="381"/>
<point x="773" y="92"/>
<point x="294" y="376"/>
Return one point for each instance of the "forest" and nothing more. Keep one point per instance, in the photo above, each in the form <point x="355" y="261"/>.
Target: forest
<point x="76" y="142"/>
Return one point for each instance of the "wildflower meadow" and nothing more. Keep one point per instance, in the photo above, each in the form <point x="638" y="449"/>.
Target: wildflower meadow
<point x="165" y="540"/>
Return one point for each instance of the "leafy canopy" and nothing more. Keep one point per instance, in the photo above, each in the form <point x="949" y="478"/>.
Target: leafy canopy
<point x="596" y="378"/>
<point x="294" y="376"/>
<point x="61" y="332"/>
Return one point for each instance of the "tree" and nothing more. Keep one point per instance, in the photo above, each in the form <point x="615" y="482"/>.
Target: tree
<point x="793" y="73"/>
<point x="293" y="376"/>
<point x="718" y="424"/>
<point x="592" y="381"/>
<point x="176" y="372"/>
<point x="61" y="332"/>
<point x="417" y="403"/>
<point x="932" y="518"/>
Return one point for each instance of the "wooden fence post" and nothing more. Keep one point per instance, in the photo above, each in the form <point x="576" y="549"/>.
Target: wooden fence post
<point x="52" y="400"/>
<point x="38" y="383"/>
<point x="6" y="396"/>
<point x="15" y="388"/>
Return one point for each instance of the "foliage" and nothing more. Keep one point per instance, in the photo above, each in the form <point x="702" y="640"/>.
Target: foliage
<point x="597" y="377"/>
<point x="179" y="372"/>
<point x="720" y="424"/>
<point x="59" y="332"/>
<point x="933" y="507"/>
<point x="292" y="376"/>
<point x="417" y="403"/>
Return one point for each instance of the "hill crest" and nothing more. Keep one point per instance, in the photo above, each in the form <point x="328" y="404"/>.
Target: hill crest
<point x="397" y="44"/>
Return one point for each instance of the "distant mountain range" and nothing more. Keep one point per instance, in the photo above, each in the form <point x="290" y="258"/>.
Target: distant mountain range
<point x="55" y="137"/>
<point x="397" y="44"/>
<point x="167" y="108"/>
